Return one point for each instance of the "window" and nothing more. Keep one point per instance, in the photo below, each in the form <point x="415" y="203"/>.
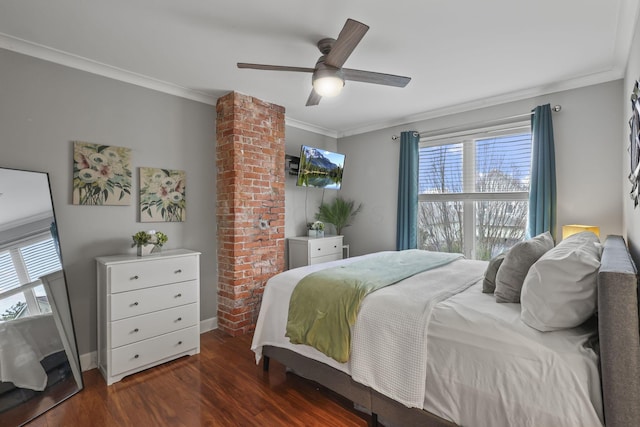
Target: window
<point x="23" y="264"/>
<point x="474" y="189"/>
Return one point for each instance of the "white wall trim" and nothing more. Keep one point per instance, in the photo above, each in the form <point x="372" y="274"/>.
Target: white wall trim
<point x="74" y="61"/>
<point x="583" y="81"/>
<point x="89" y="361"/>
<point x="78" y="62"/>
<point x="311" y="128"/>
<point x="207" y="325"/>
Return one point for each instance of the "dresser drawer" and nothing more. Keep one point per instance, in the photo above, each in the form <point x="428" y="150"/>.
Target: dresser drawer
<point x="145" y="273"/>
<point x="141" y="353"/>
<point x="142" y="301"/>
<point x="325" y="258"/>
<point x="322" y="247"/>
<point x="137" y="328"/>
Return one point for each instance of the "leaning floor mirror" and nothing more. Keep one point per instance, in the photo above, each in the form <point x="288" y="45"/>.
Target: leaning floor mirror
<point x="39" y="364"/>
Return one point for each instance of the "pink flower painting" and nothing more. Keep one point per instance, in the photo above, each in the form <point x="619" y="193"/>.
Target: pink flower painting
<point x="101" y="174"/>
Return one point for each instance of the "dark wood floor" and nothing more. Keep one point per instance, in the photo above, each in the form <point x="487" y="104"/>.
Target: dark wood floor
<point x="222" y="386"/>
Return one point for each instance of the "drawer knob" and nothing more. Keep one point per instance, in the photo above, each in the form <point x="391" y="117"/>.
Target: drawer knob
<point x="178" y="271"/>
<point x="135" y="303"/>
<point x="318" y="248"/>
<point x="178" y="295"/>
<point x="179" y="319"/>
<point x="179" y="342"/>
<point x="136" y="356"/>
<point x="136" y="330"/>
<point x="135" y="277"/>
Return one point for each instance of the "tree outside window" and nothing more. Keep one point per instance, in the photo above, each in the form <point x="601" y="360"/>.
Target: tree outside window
<point x="474" y="193"/>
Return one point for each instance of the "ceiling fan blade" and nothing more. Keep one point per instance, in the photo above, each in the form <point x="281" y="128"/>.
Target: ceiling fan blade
<point x="348" y="39"/>
<point x="377" y="78"/>
<point x="314" y="98"/>
<point x="275" y="67"/>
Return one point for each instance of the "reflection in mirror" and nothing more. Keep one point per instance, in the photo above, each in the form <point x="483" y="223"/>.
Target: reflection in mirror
<point x="39" y="364"/>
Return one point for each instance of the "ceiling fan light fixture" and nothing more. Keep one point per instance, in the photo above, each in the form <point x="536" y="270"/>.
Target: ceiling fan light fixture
<point x="328" y="83"/>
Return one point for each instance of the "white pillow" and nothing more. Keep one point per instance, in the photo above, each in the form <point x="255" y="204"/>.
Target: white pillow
<point x="559" y="290"/>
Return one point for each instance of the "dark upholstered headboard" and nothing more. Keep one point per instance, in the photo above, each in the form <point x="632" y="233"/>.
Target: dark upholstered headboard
<point x="619" y="333"/>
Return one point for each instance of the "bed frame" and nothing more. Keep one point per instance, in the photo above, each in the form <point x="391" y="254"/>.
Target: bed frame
<point x="619" y="343"/>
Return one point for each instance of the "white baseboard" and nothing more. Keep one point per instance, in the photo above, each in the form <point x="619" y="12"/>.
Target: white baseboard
<point x="207" y="325"/>
<point x="89" y="361"/>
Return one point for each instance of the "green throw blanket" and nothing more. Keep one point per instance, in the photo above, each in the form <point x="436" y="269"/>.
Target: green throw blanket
<point x="324" y="304"/>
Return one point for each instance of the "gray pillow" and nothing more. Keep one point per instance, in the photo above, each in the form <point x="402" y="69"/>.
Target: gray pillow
<point x="489" y="281"/>
<point x="516" y="265"/>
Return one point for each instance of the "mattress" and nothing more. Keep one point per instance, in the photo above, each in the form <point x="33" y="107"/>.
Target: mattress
<point x="484" y="367"/>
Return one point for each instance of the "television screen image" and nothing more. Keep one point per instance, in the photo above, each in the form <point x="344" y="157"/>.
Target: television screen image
<point x="320" y="168"/>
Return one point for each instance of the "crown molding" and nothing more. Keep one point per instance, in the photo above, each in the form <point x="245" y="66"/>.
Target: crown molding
<point x="588" y="80"/>
<point x="80" y="63"/>
<point x="311" y="128"/>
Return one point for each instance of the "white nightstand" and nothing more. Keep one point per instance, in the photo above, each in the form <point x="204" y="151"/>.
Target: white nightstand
<point x="314" y="250"/>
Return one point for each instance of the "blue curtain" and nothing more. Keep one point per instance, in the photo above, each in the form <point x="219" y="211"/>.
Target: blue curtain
<point x="542" y="195"/>
<point x="407" y="226"/>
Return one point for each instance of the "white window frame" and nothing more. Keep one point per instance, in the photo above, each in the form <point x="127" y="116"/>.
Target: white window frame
<point x="26" y="286"/>
<point x="468" y="196"/>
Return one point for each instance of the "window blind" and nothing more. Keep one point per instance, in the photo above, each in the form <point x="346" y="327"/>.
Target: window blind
<point x="40" y="258"/>
<point x="8" y="276"/>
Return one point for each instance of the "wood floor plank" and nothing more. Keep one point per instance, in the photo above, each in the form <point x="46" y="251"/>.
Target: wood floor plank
<point x="222" y="386"/>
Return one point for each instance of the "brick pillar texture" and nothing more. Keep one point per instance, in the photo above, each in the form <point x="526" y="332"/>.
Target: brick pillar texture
<point x="250" y="185"/>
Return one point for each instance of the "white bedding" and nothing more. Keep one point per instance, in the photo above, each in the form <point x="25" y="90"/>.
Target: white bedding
<point x="484" y="367"/>
<point x="23" y="344"/>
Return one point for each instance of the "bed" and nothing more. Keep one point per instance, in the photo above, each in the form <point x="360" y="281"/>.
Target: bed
<point x="32" y="358"/>
<point x="598" y="361"/>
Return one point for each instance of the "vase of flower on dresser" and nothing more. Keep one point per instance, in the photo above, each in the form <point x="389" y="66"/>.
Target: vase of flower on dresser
<point x="148" y="242"/>
<point x="315" y="229"/>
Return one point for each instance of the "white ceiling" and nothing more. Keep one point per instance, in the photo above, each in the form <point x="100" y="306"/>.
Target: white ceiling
<point x="24" y="197"/>
<point x="460" y="54"/>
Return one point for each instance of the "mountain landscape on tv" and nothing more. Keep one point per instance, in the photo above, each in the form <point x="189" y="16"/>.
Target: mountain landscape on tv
<point x="320" y="168"/>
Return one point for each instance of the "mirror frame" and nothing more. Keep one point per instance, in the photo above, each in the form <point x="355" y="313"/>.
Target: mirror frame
<point x="55" y="285"/>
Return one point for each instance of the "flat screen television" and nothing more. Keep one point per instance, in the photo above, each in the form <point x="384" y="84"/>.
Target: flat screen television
<point x="320" y="168"/>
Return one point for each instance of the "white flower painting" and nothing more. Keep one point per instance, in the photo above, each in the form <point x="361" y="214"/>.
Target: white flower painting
<point x="162" y="195"/>
<point x="101" y="174"/>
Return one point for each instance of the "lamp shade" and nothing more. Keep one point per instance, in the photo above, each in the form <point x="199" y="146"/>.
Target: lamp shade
<point x="328" y="86"/>
<point x="568" y="230"/>
<point x="327" y="81"/>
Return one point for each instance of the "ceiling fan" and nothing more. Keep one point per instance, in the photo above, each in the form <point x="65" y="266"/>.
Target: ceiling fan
<point x="328" y="75"/>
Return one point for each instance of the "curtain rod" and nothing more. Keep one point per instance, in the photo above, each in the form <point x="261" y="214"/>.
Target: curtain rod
<point x="555" y="108"/>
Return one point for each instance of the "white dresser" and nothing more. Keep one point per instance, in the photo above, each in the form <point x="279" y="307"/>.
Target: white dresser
<point x="314" y="250"/>
<point x="148" y="311"/>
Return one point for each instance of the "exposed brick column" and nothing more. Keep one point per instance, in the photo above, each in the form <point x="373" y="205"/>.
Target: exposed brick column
<point x="250" y="184"/>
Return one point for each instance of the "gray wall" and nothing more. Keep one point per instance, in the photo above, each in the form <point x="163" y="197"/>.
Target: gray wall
<point x="44" y="107"/>
<point x="301" y="203"/>
<point x="587" y="164"/>
<point x="631" y="214"/>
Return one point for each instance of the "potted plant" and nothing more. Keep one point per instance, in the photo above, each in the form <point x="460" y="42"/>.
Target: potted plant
<point x="315" y="229"/>
<point x="148" y="242"/>
<point x="339" y="212"/>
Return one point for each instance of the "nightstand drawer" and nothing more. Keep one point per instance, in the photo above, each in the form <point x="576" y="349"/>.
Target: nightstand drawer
<point x="325" y="258"/>
<point x="135" y="303"/>
<point x="132" y="329"/>
<point x="145" y="273"/>
<point x="148" y="351"/>
<point x="327" y="246"/>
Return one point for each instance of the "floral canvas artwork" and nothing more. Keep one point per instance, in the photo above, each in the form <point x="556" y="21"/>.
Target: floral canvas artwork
<point x="162" y="195"/>
<point x="101" y="174"/>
